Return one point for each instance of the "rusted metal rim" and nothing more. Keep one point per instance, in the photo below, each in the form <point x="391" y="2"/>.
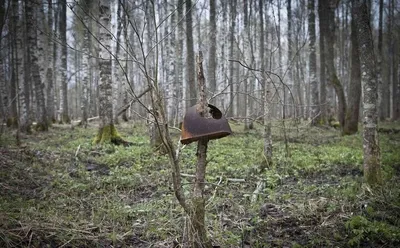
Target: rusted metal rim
<point x="195" y="127"/>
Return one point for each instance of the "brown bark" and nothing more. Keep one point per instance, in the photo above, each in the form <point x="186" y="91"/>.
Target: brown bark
<point x="329" y="37"/>
<point x="199" y="234"/>
<point x="354" y="94"/>
<point x="190" y="76"/>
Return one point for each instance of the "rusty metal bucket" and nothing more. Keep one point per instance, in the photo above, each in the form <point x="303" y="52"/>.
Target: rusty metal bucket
<point x="195" y="126"/>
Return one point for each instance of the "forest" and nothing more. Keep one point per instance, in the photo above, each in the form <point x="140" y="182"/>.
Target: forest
<point x="200" y="123"/>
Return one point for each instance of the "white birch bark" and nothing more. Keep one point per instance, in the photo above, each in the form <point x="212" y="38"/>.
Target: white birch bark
<point x="50" y="60"/>
<point x="35" y="50"/>
<point x="105" y="86"/>
<point x="86" y="52"/>
<point x="23" y="90"/>
<point x="64" y="64"/>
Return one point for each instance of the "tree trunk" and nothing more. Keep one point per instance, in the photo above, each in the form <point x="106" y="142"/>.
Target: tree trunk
<point x="49" y="71"/>
<point x="12" y="121"/>
<point x="322" y="60"/>
<point x="315" y="107"/>
<point x="334" y="80"/>
<point x="63" y="68"/>
<point x="212" y="59"/>
<point x="22" y="84"/>
<point x="232" y="8"/>
<point x="199" y="233"/>
<point x="280" y="66"/>
<point x="265" y="97"/>
<point x="107" y="132"/>
<point x="372" y="169"/>
<point x="190" y="60"/>
<point x="179" y="105"/>
<point x="354" y="93"/>
<point x="248" y="58"/>
<point x="86" y="51"/>
<point x="382" y="84"/>
<point x="289" y="82"/>
<point x="35" y="50"/>
<point x="3" y="84"/>
<point x="394" y="47"/>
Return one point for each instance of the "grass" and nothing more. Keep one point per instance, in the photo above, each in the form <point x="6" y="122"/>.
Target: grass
<point x="59" y="189"/>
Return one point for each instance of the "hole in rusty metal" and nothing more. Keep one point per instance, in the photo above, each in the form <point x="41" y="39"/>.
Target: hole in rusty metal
<point x="195" y="127"/>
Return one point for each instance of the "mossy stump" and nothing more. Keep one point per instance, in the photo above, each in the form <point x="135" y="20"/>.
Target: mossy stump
<point x="109" y="134"/>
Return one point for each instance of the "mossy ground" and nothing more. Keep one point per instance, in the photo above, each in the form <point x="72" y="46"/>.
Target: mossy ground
<point x="59" y="189"/>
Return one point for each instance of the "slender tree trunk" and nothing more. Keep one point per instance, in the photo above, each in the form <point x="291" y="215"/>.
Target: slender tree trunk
<point x="354" y="93"/>
<point x="12" y="121"/>
<point x="35" y="50"/>
<point x="190" y="59"/>
<point x="265" y="97"/>
<point x="298" y="78"/>
<point x="64" y="67"/>
<point x="232" y="8"/>
<point x="3" y="84"/>
<point x="212" y="59"/>
<point x="322" y="66"/>
<point x="86" y="51"/>
<point x="22" y="84"/>
<point x="315" y="107"/>
<point x="372" y="169"/>
<point x="125" y="64"/>
<point x="290" y="57"/>
<point x="179" y="63"/>
<point x="222" y="74"/>
<point x="280" y="65"/>
<point x="199" y="234"/>
<point x="394" y="46"/>
<point x="382" y="86"/>
<point x="248" y="57"/>
<point x="262" y="57"/>
<point x="49" y="71"/>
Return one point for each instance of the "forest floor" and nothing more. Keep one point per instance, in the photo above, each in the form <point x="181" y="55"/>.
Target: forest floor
<point x="57" y="189"/>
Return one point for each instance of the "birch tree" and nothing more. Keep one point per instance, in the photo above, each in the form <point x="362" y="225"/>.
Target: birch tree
<point x="107" y="131"/>
<point x="36" y="50"/>
<point x="20" y="69"/>
<point x="232" y="12"/>
<point x="86" y="49"/>
<point x="178" y="96"/>
<point x="63" y="109"/>
<point x="212" y="59"/>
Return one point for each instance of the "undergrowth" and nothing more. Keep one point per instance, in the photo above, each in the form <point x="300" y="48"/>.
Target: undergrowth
<point x="60" y="189"/>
